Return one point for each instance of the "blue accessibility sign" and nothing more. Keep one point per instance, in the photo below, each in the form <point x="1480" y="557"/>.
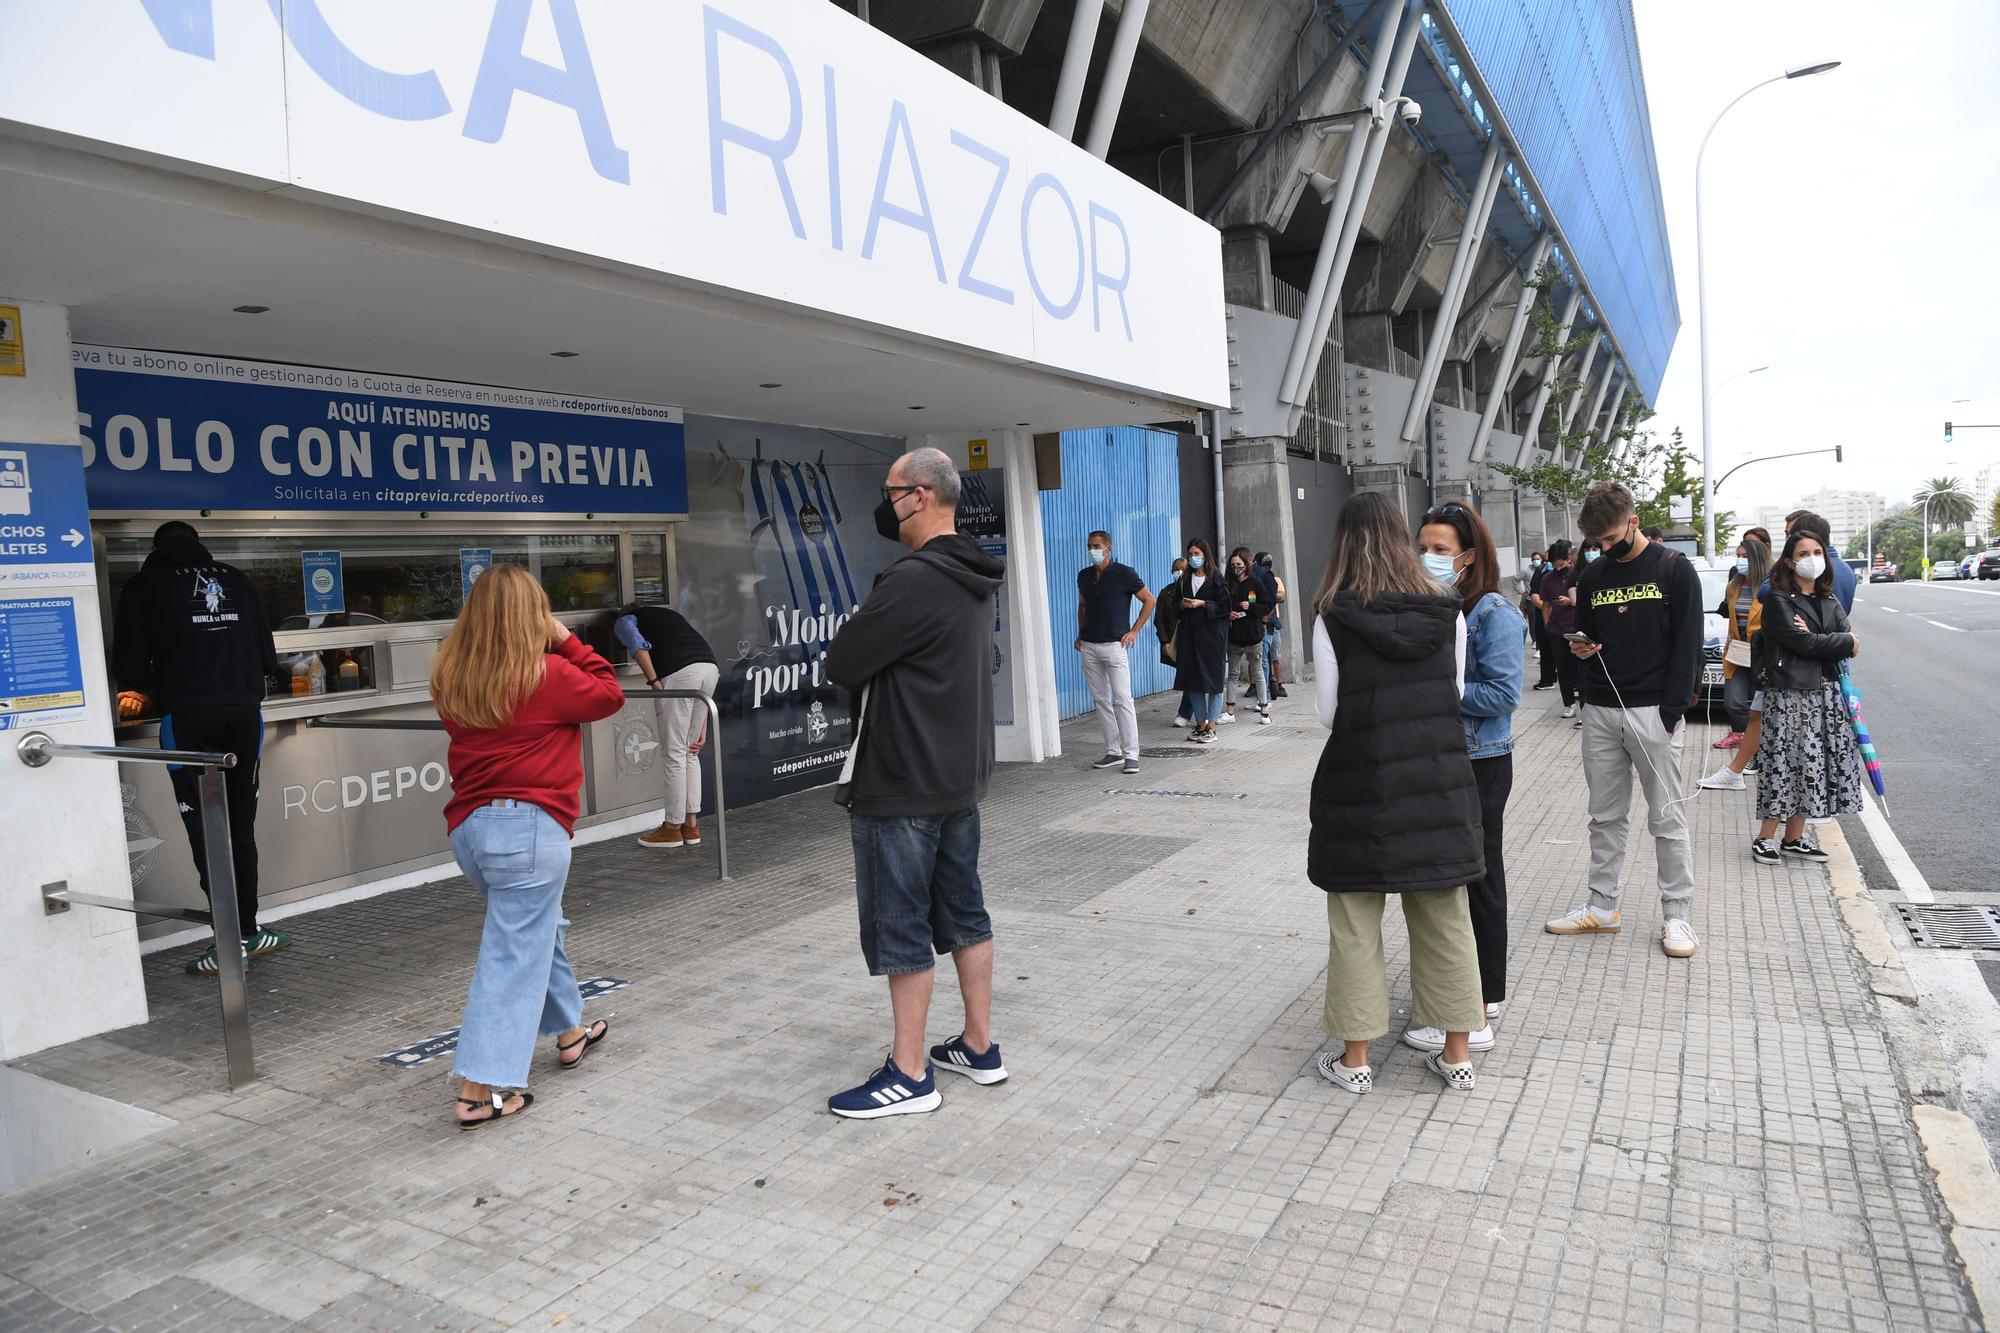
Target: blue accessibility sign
<point x="44" y="517"/>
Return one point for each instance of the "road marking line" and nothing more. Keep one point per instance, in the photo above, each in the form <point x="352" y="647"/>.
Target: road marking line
<point x="1955" y="586"/>
<point x="1908" y="878"/>
<point x="1941" y="625"/>
<point x="1891" y="610"/>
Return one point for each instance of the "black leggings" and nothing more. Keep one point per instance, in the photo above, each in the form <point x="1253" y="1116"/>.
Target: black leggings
<point x="1487" y="897"/>
<point x="237" y="730"/>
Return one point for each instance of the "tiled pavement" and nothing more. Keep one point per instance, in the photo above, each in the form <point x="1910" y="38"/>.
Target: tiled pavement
<point x="1654" y="1144"/>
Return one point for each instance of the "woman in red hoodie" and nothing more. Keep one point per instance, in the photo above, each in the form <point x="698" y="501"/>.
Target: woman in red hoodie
<point x="514" y="687"/>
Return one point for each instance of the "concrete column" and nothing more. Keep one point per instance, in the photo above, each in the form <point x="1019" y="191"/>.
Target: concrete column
<point x="1036" y="733"/>
<point x="1582" y="383"/>
<point x="1246" y="268"/>
<point x="1611" y="417"/>
<point x="1504" y="367"/>
<point x="1596" y="406"/>
<point x="75" y="974"/>
<point x="1386" y="479"/>
<point x="1257" y="500"/>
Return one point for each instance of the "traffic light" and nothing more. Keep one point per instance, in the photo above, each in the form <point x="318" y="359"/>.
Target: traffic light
<point x="1947" y="432"/>
<point x="1836" y="453"/>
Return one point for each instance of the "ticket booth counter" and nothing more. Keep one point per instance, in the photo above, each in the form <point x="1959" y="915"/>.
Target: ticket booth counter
<point x="343" y="807"/>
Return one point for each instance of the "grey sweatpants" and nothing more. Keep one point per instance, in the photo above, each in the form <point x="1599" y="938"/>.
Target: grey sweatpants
<point x="1616" y="744"/>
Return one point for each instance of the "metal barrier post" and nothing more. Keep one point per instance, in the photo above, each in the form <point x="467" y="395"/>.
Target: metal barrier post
<point x="230" y="964"/>
<point x="714" y="744"/>
<point x="37" y="749"/>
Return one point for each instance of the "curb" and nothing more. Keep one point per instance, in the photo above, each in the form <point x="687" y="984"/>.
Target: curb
<point x="1957" y="1156"/>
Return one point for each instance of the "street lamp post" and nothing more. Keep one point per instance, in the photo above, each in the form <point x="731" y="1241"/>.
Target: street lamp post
<point x="1701" y="293"/>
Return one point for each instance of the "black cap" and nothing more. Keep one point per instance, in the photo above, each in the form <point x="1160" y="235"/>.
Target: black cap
<point x="1262" y="557"/>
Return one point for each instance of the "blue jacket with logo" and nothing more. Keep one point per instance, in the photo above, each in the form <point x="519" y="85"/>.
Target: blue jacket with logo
<point x="1494" y="637"/>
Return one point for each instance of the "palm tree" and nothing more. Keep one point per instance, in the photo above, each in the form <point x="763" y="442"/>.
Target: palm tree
<point x="1944" y="502"/>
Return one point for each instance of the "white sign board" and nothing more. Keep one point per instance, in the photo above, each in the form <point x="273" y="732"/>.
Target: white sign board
<point x="779" y="148"/>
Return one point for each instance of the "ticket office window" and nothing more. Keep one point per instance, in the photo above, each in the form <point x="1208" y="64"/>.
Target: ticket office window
<point x="396" y="579"/>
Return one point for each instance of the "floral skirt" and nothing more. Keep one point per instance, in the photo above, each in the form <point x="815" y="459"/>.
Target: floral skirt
<point x="1807" y="763"/>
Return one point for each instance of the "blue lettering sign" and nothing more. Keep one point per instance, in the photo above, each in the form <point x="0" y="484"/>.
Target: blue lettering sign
<point x="971" y="145"/>
<point x="397" y="96"/>
<point x="720" y="131"/>
<point x="880" y="207"/>
<point x="1044" y="181"/>
<point x="187" y="26"/>
<point x="504" y="69"/>
<point x="1099" y="282"/>
<point x="326" y="588"/>
<point x="175" y="441"/>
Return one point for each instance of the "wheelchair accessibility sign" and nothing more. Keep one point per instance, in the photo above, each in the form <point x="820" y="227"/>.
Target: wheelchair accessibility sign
<point x="44" y="517"/>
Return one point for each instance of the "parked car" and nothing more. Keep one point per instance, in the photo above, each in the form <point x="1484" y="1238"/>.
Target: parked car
<point x="1944" y="570"/>
<point x="1714" y="575"/>
<point x="1988" y="566"/>
<point x="1882" y="574"/>
<point x="1968" y="564"/>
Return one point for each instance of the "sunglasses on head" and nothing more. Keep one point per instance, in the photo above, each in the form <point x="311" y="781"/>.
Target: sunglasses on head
<point x="1446" y="511"/>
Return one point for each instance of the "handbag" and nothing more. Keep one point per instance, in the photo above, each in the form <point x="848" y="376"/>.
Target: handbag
<point x="1737" y="652"/>
<point x="846" y="778"/>
<point x="1172" y="647"/>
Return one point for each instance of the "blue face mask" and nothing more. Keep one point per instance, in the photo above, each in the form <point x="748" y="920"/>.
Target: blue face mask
<point x="1097" y="555"/>
<point x="1196" y="561"/>
<point x="1443" y="568"/>
<point x="1589" y="556"/>
<point x="1742" y="564"/>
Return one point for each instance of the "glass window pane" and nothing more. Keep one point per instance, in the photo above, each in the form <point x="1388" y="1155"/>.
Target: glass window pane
<point x="649" y="567"/>
<point x="397" y="578"/>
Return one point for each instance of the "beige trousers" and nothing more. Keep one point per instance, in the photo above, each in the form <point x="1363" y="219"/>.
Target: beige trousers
<point x="1444" y="964"/>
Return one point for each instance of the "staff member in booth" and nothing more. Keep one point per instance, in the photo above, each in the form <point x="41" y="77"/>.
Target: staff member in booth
<point x="190" y="639"/>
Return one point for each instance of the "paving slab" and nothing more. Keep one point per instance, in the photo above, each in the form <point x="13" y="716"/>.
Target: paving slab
<point x="1717" y="1142"/>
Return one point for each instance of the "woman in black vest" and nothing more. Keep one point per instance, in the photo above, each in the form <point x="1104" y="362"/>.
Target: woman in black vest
<point x="1202" y="651"/>
<point x="1395" y="808"/>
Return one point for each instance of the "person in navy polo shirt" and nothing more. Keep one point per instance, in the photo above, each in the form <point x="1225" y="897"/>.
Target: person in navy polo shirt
<point x="1105" y="633"/>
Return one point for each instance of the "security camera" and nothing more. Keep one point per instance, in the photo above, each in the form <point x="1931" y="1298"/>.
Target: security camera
<point x="1412" y="112"/>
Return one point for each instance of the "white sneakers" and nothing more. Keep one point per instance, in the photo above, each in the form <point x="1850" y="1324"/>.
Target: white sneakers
<point x="1457" y="1078"/>
<point x="1493" y="1010"/>
<point x="1226" y="718"/>
<point x="1677" y="939"/>
<point x="1180" y="722"/>
<point x="1584" y="921"/>
<point x="1431" y="1039"/>
<point x="1569" y="710"/>
<point x="1723" y="779"/>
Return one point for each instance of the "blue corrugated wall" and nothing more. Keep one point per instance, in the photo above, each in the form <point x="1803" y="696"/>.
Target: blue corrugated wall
<point x="1569" y="82"/>
<point x="1127" y="481"/>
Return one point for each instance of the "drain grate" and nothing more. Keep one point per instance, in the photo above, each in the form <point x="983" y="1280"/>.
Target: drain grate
<point x="1183" y="795"/>
<point x="1170" y="752"/>
<point x="1953" y="925"/>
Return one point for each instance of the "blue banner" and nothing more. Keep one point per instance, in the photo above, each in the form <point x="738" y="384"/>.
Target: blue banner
<point x="176" y="432"/>
<point x="472" y="562"/>
<point x="326" y="590"/>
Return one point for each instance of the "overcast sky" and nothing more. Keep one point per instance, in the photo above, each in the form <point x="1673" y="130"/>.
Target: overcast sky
<point x="1853" y="232"/>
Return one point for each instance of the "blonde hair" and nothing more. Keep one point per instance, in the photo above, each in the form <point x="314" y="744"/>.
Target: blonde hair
<point x="493" y="658"/>
<point x="1373" y="553"/>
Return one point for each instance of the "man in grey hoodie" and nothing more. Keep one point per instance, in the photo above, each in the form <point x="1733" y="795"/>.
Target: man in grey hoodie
<point x="920" y="651"/>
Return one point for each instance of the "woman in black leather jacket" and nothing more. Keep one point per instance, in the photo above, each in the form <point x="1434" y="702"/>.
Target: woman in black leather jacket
<point x="1809" y="766"/>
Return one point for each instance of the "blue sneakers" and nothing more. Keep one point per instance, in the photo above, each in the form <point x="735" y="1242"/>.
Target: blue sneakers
<point x="956" y="1056"/>
<point x="888" y="1091"/>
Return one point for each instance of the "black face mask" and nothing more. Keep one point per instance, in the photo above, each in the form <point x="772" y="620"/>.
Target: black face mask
<point x="886" y="521"/>
<point x="1622" y="549"/>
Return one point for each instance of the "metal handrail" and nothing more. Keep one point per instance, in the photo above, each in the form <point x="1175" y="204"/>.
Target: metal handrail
<point x="37" y="749"/>
<point x="714" y="747"/>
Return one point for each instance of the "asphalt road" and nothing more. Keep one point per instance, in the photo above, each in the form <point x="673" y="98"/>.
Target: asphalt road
<point x="1926" y="670"/>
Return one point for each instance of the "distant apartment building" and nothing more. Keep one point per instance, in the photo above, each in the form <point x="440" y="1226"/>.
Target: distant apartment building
<point x="1847" y="513"/>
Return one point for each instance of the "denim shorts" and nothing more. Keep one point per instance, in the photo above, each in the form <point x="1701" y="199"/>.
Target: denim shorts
<point x="916" y="881"/>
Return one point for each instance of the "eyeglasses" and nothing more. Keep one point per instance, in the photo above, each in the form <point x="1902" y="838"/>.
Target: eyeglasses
<point x="1446" y="511"/>
<point x="891" y="494"/>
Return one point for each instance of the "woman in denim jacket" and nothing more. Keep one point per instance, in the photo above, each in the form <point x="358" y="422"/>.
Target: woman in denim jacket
<point x="1458" y="551"/>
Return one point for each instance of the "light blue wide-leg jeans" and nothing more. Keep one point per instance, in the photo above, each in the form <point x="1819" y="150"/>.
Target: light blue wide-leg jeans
<point x="523" y="988"/>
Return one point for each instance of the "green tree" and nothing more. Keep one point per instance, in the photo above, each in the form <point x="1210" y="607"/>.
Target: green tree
<point x="1946" y="500"/>
<point x="1993" y="517"/>
<point x="1899" y="539"/>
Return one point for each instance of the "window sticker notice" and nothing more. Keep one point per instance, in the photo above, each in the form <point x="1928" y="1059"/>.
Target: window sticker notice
<point x="13" y="349"/>
<point x="41" y="669"/>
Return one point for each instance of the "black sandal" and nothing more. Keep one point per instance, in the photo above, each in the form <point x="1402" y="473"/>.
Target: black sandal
<point x="587" y="1040"/>
<point x="499" y="1111"/>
